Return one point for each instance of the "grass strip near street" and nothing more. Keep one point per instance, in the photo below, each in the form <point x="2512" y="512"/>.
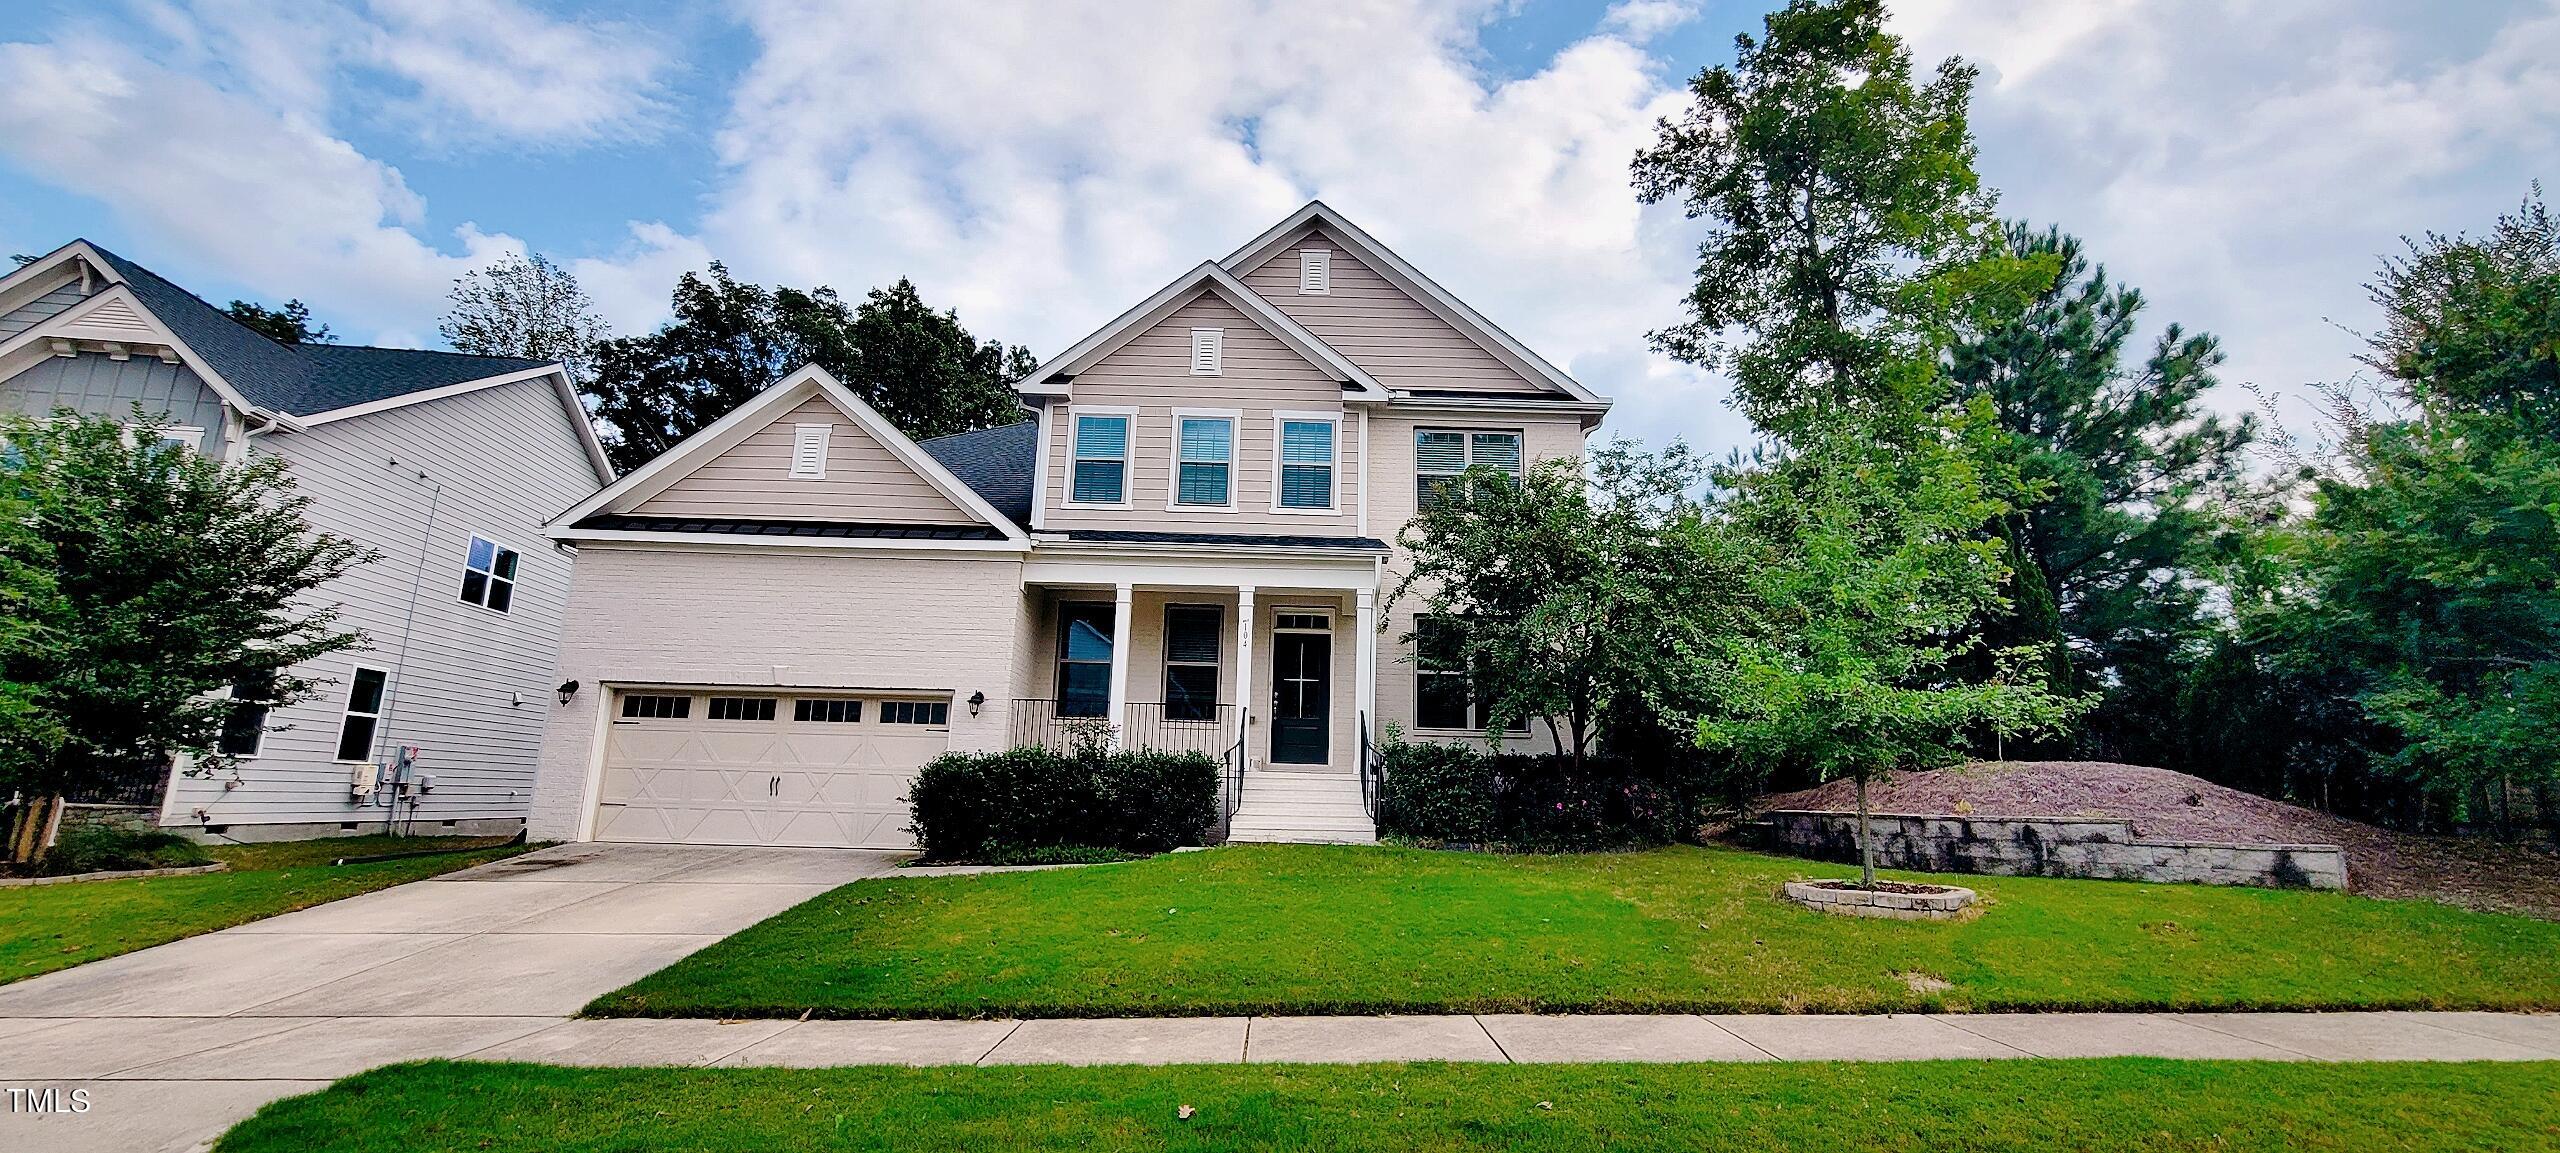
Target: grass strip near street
<point x="48" y="927"/>
<point x="1293" y="929"/>
<point x="2119" y="1106"/>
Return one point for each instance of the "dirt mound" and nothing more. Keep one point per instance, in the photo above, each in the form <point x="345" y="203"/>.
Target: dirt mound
<point x="2173" y="806"/>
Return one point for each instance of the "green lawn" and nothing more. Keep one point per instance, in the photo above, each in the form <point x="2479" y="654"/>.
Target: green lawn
<point x="2118" y="1106"/>
<point x="49" y="927"/>
<point x="1310" y="929"/>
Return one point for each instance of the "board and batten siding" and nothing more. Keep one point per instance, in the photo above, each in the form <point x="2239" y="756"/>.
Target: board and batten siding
<point x="865" y="482"/>
<point x="943" y="624"/>
<point x="1259" y="378"/>
<point x="100" y="385"/>
<point x="470" y="686"/>
<point x="52" y="303"/>
<point x="1377" y="326"/>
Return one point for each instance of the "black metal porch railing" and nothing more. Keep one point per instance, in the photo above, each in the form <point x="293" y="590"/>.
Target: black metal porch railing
<point x="1210" y="730"/>
<point x="1373" y="769"/>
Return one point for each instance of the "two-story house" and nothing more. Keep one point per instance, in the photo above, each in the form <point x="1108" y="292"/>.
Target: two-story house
<point x="445" y="465"/>
<point x="1187" y="546"/>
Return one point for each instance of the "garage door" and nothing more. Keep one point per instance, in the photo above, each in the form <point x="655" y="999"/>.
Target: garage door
<point x="734" y="767"/>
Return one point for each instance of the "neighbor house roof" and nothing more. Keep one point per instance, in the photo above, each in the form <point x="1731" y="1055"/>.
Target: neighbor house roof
<point x="996" y="463"/>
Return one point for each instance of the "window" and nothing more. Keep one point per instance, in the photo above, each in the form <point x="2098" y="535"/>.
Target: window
<point x="915" y="712"/>
<point x="830" y="712"/>
<point x="1446" y="694"/>
<point x="489" y="575"/>
<point x="1303" y="622"/>
<point x="657" y="707"/>
<point x="1306" y="464"/>
<point x="1084" y="660"/>
<point x="1191" y="648"/>
<point x="809" y="451"/>
<point x="1315" y="271"/>
<point x="742" y="708"/>
<point x="1441" y="457"/>
<point x="1208" y="351"/>
<point x="1204" y="448"/>
<point x="244" y="728"/>
<point x="1102" y="461"/>
<point x="364" y="711"/>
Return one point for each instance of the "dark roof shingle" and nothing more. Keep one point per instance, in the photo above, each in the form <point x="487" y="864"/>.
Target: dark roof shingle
<point x="993" y="462"/>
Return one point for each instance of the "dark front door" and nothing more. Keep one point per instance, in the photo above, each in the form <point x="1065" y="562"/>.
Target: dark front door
<point x="1301" y="697"/>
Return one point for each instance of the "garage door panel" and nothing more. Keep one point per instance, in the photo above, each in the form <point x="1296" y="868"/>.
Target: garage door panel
<point x="779" y="782"/>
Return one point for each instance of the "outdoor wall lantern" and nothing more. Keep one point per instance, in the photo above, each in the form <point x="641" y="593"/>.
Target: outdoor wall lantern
<point x="977" y="700"/>
<point x="568" y="689"/>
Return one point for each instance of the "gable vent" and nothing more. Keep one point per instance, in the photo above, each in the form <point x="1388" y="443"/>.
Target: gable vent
<point x="809" y="452"/>
<point x="1315" y="271"/>
<point x="1208" y="351"/>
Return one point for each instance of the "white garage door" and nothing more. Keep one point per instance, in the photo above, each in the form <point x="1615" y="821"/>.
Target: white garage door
<point x="735" y="767"/>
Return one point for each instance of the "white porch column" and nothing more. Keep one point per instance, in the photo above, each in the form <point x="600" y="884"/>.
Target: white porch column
<point x="1120" y="666"/>
<point x="1244" y="668"/>
<point x="1366" y="666"/>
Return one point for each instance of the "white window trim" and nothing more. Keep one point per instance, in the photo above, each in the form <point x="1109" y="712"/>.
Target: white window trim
<point x="515" y="584"/>
<point x="1468" y="433"/>
<point x="1279" y="424"/>
<point x="251" y="755"/>
<point x="1217" y="338"/>
<point x="1218" y="677"/>
<point x="344" y="711"/>
<point x="1322" y="259"/>
<point x="1329" y="614"/>
<point x="800" y="434"/>
<point x="1173" y="474"/>
<point x="1128" y="457"/>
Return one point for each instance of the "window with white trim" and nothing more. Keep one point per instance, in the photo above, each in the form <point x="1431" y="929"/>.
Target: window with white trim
<point x="1101" y="474"/>
<point x="1208" y="351"/>
<point x="1447" y="693"/>
<point x="1442" y="456"/>
<point x="827" y="711"/>
<point x="657" y="707"/>
<point x="1194" y="636"/>
<point x="489" y="575"/>
<point x="244" y="728"/>
<point x="742" y="708"/>
<point x="809" y="451"/>
<point x="362" y="714"/>
<point x="1315" y="271"/>
<point x="915" y="712"/>
<point x="1204" y="457"/>
<point x="1306" y="463"/>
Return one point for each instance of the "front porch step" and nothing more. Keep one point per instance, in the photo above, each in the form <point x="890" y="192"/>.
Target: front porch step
<point x="1302" y="808"/>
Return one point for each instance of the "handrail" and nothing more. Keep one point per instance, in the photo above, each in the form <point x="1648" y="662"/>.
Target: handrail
<point x="1145" y="725"/>
<point x="1372" y="770"/>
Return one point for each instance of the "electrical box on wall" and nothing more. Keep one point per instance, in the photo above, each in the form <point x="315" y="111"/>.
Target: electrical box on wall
<point x="363" y="779"/>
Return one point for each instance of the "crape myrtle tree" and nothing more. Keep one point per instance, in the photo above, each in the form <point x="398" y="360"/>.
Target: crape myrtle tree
<point x="1849" y="243"/>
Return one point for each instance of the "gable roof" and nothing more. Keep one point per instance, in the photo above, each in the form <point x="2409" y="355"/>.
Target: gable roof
<point x="996" y="463"/>
<point x="1422" y="289"/>
<point x="1050" y="378"/>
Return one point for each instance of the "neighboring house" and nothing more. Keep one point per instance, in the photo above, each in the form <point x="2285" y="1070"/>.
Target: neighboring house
<point x="446" y="465"/>
<point x="780" y="620"/>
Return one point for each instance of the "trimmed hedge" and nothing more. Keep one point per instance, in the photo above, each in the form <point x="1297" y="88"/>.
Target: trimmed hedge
<point x="1029" y="805"/>
<point x="1463" y="795"/>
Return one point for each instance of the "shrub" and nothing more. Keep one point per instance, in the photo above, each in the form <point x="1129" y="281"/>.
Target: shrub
<point x="1032" y="806"/>
<point x="1455" y="793"/>
<point x="1438" y="792"/>
<point x="100" y="846"/>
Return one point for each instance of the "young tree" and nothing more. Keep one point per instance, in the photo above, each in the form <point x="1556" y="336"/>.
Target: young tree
<point x="32" y="614"/>
<point x="524" y="306"/>
<point x="729" y="340"/>
<point x="178" y="577"/>
<point x="290" y="324"/>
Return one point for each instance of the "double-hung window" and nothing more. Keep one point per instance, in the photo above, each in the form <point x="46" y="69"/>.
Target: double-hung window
<point x="1442" y="456"/>
<point x="1448" y="694"/>
<point x="1306" y="462"/>
<point x="1084" y="660"/>
<point x="489" y="575"/>
<point x="363" y="714"/>
<point x="244" y="728"/>
<point x="1191" y="646"/>
<point x="1204" y="451"/>
<point x="1101" y="460"/>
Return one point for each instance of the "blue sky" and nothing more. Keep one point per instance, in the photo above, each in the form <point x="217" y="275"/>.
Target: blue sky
<point x="1039" y="165"/>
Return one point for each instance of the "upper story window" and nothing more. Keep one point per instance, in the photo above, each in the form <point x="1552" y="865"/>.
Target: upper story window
<point x="489" y="575"/>
<point x="1441" y="456"/>
<point x="1102" y="460"/>
<point x="809" y="451"/>
<point x="1315" y="271"/>
<point x="1208" y="351"/>
<point x="1204" y="451"/>
<point x="1306" y="463"/>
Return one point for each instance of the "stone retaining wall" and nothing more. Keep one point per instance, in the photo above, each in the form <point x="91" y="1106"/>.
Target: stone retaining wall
<point x="2052" y="847"/>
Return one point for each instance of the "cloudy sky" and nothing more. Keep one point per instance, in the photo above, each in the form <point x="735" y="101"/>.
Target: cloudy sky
<point x="1041" y="165"/>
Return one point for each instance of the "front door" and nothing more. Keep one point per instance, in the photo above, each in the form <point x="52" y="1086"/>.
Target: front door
<point x="1302" y="697"/>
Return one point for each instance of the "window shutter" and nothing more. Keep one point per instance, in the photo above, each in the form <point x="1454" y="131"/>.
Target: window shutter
<point x="1208" y="349"/>
<point x="1315" y="271"/>
<point x="809" y="452"/>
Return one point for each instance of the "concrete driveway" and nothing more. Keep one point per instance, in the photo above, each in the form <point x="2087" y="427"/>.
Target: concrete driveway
<point x="173" y="1044"/>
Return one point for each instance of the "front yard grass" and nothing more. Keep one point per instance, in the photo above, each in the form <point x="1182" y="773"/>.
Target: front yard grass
<point x="1295" y="929"/>
<point x="49" y="927"/>
<point x="2128" y="1104"/>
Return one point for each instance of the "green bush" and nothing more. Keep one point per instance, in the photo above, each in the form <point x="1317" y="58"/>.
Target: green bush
<point x="1037" y="806"/>
<point x="100" y="846"/>
<point x="1463" y="795"/>
<point x="1438" y="792"/>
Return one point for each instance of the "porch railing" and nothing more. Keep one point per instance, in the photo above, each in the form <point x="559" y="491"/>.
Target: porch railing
<point x="1372" y="770"/>
<point x="1210" y="730"/>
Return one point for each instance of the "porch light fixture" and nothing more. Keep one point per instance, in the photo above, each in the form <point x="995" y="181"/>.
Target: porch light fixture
<point x="977" y="700"/>
<point x="568" y="689"/>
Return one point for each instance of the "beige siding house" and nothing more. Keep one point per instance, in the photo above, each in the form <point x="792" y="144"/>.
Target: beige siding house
<point x="1186" y="544"/>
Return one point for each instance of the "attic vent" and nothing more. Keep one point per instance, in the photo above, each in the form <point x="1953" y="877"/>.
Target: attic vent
<point x="809" y="452"/>
<point x="1315" y="271"/>
<point x="1208" y="351"/>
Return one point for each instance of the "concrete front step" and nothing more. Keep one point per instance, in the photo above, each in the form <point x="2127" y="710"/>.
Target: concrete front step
<point x="1302" y="807"/>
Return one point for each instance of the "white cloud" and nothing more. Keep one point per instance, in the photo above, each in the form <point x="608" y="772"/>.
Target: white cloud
<point x="508" y="71"/>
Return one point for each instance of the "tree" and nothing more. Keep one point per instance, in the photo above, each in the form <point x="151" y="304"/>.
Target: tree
<point x="178" y="577"/>
<point x="729" y="340"/>
<point x="524" y="306"/>
<point x="32" y="614"/>
<point x="290" y="324"/>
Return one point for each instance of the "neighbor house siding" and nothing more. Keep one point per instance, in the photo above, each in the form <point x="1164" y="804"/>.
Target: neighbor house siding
<point x="948" y="623"/>
<point x="864" y="481"/>
<point x="51" y="303"/>
<point x="1374" y="323"/>
<point x="470" y="686"/>
<point x="1152" y="373"/>
<point x="101" y="385"/>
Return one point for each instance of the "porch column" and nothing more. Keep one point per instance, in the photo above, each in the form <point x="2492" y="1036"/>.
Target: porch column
<point x="1366" y="667"/>
<point x="1244" y="668"/>
<point x="1120" y="666"/>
